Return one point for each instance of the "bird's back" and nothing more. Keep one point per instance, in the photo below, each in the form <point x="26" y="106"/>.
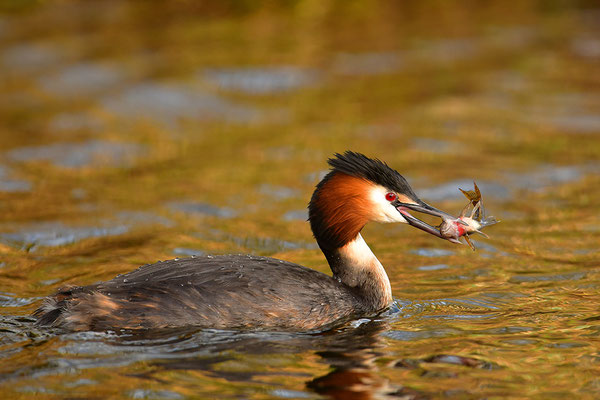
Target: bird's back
<point x="223" y="292"/>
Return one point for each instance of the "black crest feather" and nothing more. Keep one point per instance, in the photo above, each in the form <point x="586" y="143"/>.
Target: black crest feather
<point x="360" y="166"/>
<point x="371" y="169"/>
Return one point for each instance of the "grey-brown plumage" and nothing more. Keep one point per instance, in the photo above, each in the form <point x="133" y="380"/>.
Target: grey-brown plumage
<point x="239" y="291"/>
<point x="233" y="291"/>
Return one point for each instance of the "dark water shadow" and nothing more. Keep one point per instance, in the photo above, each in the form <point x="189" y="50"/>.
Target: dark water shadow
<point x="349" y="352"/>
<point x="352" y="355"/>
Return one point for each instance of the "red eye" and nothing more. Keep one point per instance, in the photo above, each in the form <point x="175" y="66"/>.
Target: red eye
<point x="390" y="196"/>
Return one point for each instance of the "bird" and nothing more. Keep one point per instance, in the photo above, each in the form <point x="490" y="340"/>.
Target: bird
<point x="251" y="292"/>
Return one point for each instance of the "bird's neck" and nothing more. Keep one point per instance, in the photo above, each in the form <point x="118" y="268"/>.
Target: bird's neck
<point x="355" y="265"/>
<point x="338" y="210"/>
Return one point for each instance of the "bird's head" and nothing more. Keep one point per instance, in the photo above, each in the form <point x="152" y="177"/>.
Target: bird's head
<point x="357" y="190"/>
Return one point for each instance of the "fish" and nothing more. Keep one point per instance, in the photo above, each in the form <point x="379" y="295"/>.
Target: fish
<point x="471" y="220"/>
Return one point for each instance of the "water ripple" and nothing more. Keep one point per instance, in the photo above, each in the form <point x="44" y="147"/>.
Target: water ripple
<point x="170" y="103"/>
<point x="262" y="80"/>
<point x="56" y="233"/>
<point x="196" y="208"/>
<point x="91" y="153"/>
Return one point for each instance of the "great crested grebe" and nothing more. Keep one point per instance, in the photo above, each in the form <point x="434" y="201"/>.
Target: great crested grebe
<point x="244" y="291"/>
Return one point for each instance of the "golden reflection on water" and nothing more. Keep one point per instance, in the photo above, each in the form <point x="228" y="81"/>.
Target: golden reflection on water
<point x="134" y="132"/>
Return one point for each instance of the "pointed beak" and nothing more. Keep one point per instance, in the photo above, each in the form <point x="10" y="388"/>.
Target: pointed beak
<point x="403" y="208"/>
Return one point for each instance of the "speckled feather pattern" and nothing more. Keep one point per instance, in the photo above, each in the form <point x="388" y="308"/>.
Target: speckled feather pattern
<point x="233" y="291"/>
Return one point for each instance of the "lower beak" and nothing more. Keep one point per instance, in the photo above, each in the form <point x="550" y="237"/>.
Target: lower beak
<point x="425" y="209"/>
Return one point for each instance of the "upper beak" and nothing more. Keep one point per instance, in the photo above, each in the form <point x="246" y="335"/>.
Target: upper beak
<point x="425" y="209"/>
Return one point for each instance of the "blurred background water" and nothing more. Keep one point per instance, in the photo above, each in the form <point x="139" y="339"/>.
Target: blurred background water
<point x="138" y="131"/>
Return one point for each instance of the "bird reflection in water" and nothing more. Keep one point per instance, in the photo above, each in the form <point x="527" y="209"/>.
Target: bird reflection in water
<point x="350" y="352"/>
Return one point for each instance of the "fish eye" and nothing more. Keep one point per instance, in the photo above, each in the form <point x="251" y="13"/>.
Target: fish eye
<point x="391" y="196"/>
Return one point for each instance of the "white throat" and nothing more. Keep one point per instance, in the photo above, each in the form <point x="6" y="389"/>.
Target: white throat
<point x="362" y="268"/>
<point x="358" y="252"/>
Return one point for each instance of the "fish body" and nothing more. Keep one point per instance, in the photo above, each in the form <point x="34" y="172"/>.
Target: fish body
<point x="463" y="226"/>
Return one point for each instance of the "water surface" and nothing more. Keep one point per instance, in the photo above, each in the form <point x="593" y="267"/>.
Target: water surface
<point x="141" y="131"/>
